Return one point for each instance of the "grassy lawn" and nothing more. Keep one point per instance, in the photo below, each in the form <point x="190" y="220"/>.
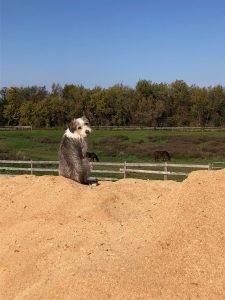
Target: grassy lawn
<point x="26" y="145"/>
<point x="120" y="145"/>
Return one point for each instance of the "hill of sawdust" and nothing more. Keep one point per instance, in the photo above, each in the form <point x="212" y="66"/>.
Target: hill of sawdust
<point x="131" y="239"/>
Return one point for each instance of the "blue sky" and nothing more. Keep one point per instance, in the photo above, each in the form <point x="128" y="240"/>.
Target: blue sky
<point x="104" y="42"/>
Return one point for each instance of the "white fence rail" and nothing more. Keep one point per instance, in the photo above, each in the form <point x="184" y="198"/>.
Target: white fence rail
<point x="116" y="170"/>
<point x="218" y="165"/>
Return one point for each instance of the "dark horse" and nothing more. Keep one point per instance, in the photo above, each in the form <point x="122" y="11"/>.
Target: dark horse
<point x="92" y="156"/>
<point x="164" y="155"/>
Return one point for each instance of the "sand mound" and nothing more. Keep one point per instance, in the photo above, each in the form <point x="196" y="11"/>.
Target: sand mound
<point x="131" y="239"/>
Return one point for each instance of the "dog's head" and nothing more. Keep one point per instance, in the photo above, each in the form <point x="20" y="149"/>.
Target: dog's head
<point x="79" y="128"/>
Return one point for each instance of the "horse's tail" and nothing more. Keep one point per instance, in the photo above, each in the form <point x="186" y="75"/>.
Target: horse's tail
<point x="169" y="156"/>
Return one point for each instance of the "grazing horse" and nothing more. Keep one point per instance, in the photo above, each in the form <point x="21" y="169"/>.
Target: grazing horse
<point x="164" y="155"/>
<point x="91" y="156"/>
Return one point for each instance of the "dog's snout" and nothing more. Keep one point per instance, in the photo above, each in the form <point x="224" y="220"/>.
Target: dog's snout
<point x="87" y="131"/>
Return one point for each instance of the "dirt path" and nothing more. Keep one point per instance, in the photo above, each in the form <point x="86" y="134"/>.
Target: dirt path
<point x="131" y="239"/>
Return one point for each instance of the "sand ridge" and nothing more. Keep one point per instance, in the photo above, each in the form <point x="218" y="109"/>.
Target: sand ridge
<point x="131" y="239"/>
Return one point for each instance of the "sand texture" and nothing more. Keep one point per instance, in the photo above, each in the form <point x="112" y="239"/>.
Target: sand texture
<point x="131" y="239"/>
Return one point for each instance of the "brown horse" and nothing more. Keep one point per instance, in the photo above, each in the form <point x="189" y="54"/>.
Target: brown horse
<point x="91" y="156"/>
<point x="164" y="155"/>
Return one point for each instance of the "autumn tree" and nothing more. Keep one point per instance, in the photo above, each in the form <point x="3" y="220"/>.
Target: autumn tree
<point x="148" y="104"/>
<point x="199" y="106"/>
<point x="3" y="93"/>
<point x="216" y="98"/>
<point x="179" y="104"/>
<point x="11" y="111"/>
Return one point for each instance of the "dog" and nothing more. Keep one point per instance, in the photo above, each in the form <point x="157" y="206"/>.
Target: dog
<point x="162" y="154"/>
<point x="73" y="163"/>
<point x="91" y="156"/>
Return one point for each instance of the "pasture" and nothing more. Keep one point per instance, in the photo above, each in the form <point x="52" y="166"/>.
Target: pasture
<point x="118" y="146"/>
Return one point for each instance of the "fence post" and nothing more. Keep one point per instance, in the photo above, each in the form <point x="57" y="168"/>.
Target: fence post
<point x="165" y="170"/>
<point x="210" y="166"/>
<point x="31" y="167"/>
<point x="124" y="169"/>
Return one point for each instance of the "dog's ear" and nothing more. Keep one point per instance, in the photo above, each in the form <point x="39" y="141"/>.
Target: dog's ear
<point x="85" y="119"/>
<point x="73" y="126"/>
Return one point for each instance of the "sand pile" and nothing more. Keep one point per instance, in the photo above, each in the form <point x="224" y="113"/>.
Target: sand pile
<point x="131" y="239"/>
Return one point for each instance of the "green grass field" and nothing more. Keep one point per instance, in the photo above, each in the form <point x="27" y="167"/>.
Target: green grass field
<point x="121" y="145"/>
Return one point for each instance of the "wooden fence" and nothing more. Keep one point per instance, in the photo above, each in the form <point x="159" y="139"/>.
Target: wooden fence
<point x="15" y="128"/>
<point x="186" y="128"/>
<point x="130" y="128"/>
<point x="102" y="169"/>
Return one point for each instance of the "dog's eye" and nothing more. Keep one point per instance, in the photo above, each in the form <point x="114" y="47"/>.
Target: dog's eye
<point x="79" y="127"/>
<point x="86" y="123"/>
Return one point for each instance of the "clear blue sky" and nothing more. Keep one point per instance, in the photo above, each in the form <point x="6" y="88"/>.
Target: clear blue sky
<point x="104" y="42"/>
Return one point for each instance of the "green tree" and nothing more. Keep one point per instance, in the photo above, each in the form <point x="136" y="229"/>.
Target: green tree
<point x="76" y="100"/>
<point x="98" y="109"/>
<point x="199" y="106"/>
<point x="3" y="93"/>
<point x="118" y="100"/>
<point x="26" y="112"/>
<point x="11" y="111"/>
<point x="151" y="109"/>
<point x="149" y="104"/>
<point x="216" y="98"/>
<point x="179" y="104"/>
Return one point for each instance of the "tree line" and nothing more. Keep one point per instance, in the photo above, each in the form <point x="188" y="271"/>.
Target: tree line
<point x="147" y="104"/>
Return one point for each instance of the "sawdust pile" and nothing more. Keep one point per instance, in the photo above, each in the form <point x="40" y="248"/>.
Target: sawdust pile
<point x="132" y="239"/>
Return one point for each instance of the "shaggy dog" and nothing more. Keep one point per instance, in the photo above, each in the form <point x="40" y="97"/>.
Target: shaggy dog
<point x="73" y="163"/>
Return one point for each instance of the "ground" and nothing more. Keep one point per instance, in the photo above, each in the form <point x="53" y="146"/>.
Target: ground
<point x="131" y="239"/>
